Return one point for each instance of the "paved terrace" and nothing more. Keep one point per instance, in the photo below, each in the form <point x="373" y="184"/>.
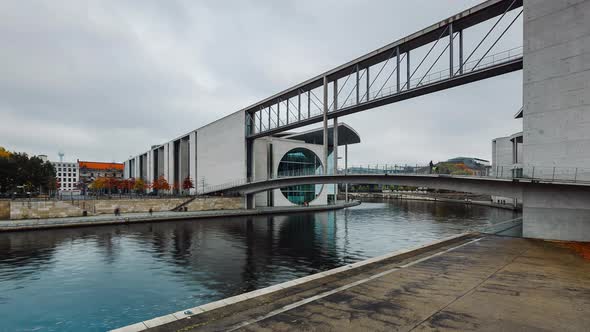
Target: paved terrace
<point x="473" y="282"/>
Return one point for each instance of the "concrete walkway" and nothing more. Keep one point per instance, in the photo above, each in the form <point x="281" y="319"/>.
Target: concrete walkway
<point x="483" y="283"/>
<point x="110" y="219"/>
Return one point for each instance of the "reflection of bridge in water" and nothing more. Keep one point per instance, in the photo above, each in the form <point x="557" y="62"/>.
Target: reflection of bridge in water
<point x="555" y="204"/>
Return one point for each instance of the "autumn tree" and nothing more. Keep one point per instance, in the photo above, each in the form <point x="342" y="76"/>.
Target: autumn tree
<point x="161" y="184"/>
<point x="187" y="184"/>
<point x="139" y="186"/>
<point x="4" y="153"/>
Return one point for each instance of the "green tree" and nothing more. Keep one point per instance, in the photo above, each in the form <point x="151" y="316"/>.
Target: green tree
<point x="33" y="174"/>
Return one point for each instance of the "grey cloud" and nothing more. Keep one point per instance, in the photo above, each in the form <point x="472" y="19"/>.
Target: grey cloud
<point x="106" y="79"/>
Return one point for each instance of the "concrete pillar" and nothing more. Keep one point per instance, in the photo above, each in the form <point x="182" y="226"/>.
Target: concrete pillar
<point x="556" y="115"/>
<point x="193" y="160"/>
<point x="346" y="170"/>
<point x="136" y="166"/>
<point x="325" y="161"/>
<point x="150" y="166"/>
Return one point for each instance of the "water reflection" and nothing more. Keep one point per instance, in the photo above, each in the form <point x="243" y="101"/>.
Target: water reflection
<point x="113" y="276"/>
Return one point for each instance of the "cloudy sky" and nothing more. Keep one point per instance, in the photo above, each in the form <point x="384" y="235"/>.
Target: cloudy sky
<point x="102" y="80"/>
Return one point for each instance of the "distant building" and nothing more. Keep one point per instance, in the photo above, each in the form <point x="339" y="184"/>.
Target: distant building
<point x="507" y="159"/>
<point x="90" y="170"/>
<point x="68" y="175"/>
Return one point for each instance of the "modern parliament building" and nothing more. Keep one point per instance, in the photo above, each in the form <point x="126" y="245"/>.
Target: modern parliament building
<point x="219" y="153"/>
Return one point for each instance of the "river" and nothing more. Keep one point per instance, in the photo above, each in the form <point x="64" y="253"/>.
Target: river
<point x="99" y="278"/>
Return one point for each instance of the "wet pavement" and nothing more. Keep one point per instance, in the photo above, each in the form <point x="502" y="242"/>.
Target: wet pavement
<point x="484" y="283"/>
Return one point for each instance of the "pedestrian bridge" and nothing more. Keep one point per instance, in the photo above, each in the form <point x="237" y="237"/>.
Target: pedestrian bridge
<point x="474" y="184"/>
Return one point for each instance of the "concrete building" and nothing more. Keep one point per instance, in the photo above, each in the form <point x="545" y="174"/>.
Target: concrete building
<point x="507" y="160"/>
<point x="216" y="155"/>
<point x="68" y="175"/>
<point x="556" y="114"/>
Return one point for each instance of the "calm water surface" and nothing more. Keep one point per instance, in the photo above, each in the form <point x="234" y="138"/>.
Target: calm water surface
<point x="99" y="278"/>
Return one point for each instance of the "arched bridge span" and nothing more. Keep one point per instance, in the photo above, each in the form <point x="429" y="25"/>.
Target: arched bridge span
<point x="483" y="185"/>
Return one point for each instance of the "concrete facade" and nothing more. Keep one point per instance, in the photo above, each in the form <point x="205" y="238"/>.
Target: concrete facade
<point x="211" y="155"/>
<point x="556" y="113"/>
<point x="68" y="174"/>
<point x="275" y="148"/>
<point x="221" y="150"/>
<point x="557" y="83"/>
<point x="501" y="154"/>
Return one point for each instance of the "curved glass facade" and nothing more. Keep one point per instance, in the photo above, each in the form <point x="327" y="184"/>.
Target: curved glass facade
<point x="299" y="162"/>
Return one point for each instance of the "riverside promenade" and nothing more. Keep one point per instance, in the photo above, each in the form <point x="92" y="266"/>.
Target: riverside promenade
<point x="130" y="218"/>
<point x="467" y="282"/>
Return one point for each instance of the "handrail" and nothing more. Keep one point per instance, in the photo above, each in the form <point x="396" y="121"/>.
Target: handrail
<point x="514" y="172"/>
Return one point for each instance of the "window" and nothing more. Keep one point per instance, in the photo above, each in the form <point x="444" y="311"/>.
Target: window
<point x="298" y="162"/>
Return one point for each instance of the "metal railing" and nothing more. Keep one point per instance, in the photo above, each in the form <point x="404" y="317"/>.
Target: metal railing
<point x="532" y="173"/>
<point x="255" y="125"/>
<point x="477" y="64"/>
<point x="543" y="173"/>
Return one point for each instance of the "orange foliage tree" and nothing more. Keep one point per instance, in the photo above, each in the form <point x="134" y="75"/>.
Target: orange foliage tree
<point x="161" y="184"/>
<point x="187" y="184"/>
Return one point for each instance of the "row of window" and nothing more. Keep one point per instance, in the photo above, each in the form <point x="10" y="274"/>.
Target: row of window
<point x="68" y="169"/>
<point x="68" y="174"/>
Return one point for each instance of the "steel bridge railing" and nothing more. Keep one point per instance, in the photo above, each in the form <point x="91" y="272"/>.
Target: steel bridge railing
<point x="556" y="174"/>
<point x="471" y="66"/>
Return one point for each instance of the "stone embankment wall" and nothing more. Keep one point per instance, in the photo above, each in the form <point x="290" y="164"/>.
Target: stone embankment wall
<point x="108" y="206"/>
<point x="216" y="203"/>
<point x="43" y="209"/>
<point x="4" y="210"/>
<point x="61" y="209"/>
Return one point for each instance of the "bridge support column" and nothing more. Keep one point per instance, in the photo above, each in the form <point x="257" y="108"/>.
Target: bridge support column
<point x="556" y="214"/>
<point x="325" y="161"/>
<point x="335" y="141"/>
<point x="249" y="201"/>
<point x="335" y="156"/>
<point x="346" y="171"/>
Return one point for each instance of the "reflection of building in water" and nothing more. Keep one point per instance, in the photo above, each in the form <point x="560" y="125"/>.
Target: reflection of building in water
<point x="226" y="256"/>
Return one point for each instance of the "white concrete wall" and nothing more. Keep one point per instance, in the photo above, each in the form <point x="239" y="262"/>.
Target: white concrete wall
<point x="150" y="169"/>
<point x="556" y="77"/>
<point x="171" y="165"/>
<point x="260" y="169"/>
<point x="501" y="154"/>
<point x="136" y="167"/>
<point x="519" y="154"/>
<point x="280" y="147"/>
<point x="126" y="169"/>
<point x="221" y="150"/>
<point x="193" y="160"/>
<point x="556" y="80"/>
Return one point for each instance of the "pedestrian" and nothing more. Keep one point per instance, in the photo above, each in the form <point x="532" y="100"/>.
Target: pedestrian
<point x="430" y="167"/>
<point x="151" y="212"/>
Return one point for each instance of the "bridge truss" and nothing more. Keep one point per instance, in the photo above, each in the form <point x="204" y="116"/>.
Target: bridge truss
<point x="390" y="74"/>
